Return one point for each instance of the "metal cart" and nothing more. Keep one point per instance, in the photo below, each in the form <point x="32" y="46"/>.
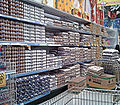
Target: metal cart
<point x="8" y="92"/>
<point x="87" y="96"/>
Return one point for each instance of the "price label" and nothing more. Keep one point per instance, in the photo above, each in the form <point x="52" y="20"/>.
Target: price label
<point x="2" y="79"/>
<point x="29" y="47"/>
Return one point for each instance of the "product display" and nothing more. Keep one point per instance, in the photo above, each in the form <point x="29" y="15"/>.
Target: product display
<point x="32" y="86"/>
<point x="43" y="49"/>
<point x="33" y="13"/>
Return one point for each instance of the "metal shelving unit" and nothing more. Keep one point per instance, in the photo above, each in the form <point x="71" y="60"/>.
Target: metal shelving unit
<point x="30" y="73"/>
<point x="55" y="14"/>
<point x="45" y="70"/>
<point x="35" y="98"/>
<point x="39" y="44"/>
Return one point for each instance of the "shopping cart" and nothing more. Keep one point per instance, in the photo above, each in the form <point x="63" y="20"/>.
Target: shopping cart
<point x="87" y="96"/>
<point x="8" y="92"/>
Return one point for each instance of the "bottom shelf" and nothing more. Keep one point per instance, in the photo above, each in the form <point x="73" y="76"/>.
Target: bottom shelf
<point x="58" y="87"/>
<point x="35" y="98"/>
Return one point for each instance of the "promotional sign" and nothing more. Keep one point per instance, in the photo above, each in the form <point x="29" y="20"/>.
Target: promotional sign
<point x="2" y="79"/>
<point x="112" y="12"/>
<point x="108" y="2"/>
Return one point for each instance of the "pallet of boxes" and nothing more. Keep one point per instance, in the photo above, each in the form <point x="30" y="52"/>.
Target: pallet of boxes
<point x="96" y="78"/>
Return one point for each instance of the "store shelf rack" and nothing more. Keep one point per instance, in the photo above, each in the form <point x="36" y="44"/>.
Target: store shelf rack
<point x="38" y="44"/>
<point x="56" y="12"/>
<point x="45" y="70"/>
<point x="49" y="26"/>
<point x="59" y="15"/>
<point x="38" y="97"/>
<point x="30" y="73"/>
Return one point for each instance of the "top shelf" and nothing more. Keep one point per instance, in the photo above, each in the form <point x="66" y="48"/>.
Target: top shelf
<point x="56" y="12"/>
<point x="63" y="14"/>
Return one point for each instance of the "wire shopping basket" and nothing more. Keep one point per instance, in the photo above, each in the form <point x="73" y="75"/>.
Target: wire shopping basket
<point x="87" y="96"/>
<point x="7" y="87"/>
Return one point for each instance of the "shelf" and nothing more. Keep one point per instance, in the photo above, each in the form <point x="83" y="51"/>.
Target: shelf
<point x="60" y="28"/>
<point x="54" y="68"/>
<point x="22" y="20"/>
<point x="83" y="32"/>
<point x="45" y="70"/>
<point x="56" y="12"/>
<point x="58" y="87"/>
<point x="108" y="46"/>
<point x="22" y="43"/>
<point x="43" y="44"/>
<point x="36" y="72"/>
<point x="36" y="98"/>
<point x="38" y="44"/>
<point x="7" y="72"/>
<point x="86" y="61"/>
<point x="55" y="45"/>
<point x="63" y="14"/>
<point x="30" y="73"/>
<point x="13" y="43"/>
<point x="52" y="16"/>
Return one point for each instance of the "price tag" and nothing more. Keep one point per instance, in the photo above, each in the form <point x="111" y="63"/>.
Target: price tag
<point x="29" y="47"/>
<point x="85" y="43"/>
<point x="2" y="79"/>
<point x="91" y="44"/>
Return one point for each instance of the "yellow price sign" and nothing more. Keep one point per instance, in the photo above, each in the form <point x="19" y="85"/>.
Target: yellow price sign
<point x="2" y="79"/>
<point x="108" y="2"/>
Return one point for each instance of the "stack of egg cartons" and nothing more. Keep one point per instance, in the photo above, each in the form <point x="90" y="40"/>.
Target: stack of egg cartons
<point x="71" y="38"/>
<point x="40" y="34"/>
<point x="32" y="86"/>
<point x="110" y="54"/>
<point x="77" y="38"/>
<point x="65" y="38"/>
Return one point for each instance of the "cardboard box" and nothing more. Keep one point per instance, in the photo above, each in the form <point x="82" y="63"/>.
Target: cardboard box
<point x="96" y="78"/>
<point x="104" y="81"/>
<point x="77" y="83"/>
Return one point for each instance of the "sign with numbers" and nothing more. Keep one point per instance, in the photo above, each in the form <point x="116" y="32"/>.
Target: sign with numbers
<point x="2" y="79"/>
